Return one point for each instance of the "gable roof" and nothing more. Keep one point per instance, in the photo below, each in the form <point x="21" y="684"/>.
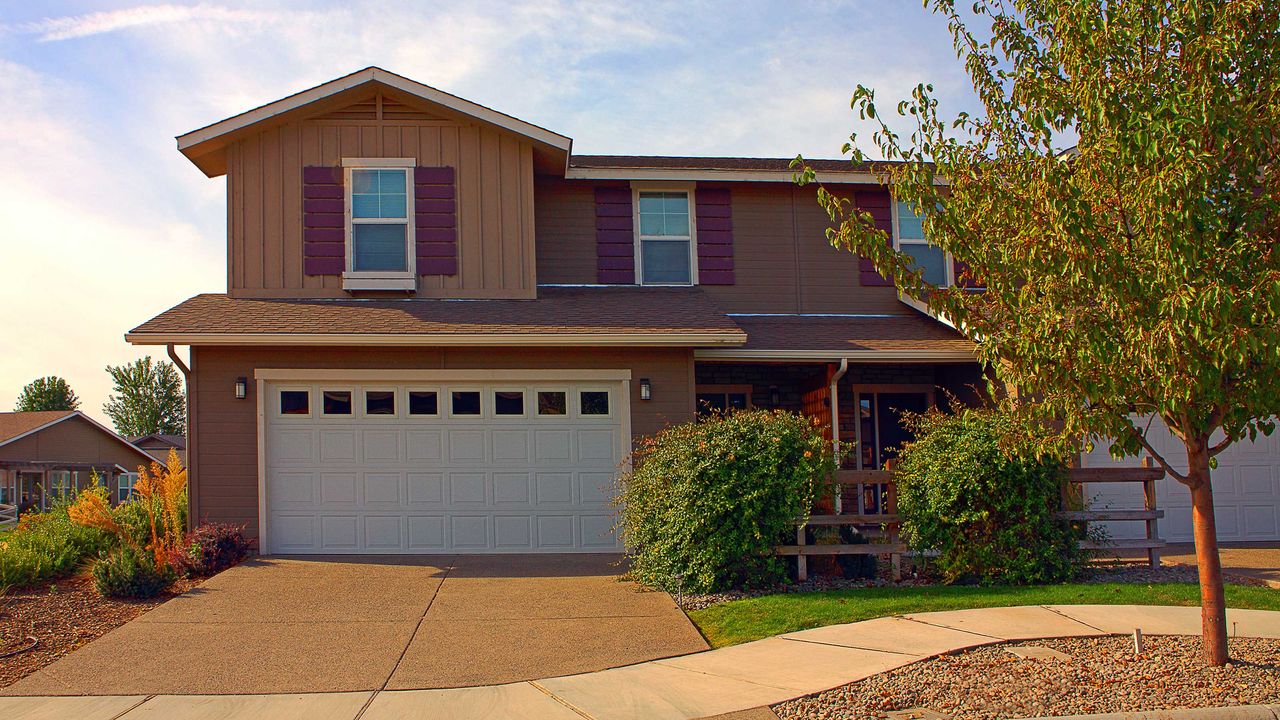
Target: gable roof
<point x="17" y="425"/>
<point x="14" y="425"/>
<point x="202" y="144"/>
<point x="178" y="442"/>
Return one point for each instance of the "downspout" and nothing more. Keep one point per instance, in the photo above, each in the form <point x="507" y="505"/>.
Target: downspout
<point x="193" y="504"/>
<point x="834" y="392"/>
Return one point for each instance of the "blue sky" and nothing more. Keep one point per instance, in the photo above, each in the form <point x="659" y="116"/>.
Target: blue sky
<point x="104" y="224"/>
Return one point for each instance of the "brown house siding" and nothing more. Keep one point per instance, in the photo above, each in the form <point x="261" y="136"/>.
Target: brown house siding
<point x="494" y="203"/>
<point x="73" y="441"/>
<point x="782" y="262"/>
<point x="225" y="459"/>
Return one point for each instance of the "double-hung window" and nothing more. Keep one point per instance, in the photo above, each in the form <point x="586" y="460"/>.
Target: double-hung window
<point x="125" y="490"/>
<point x="380" y="221"/>
<point x="910" y="239"/>
<point x="60" y="482"/>
<point x="664" y="238"/>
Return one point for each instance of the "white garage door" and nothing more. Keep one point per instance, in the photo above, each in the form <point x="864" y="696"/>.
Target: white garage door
<point x="441" y="468"/>
<point x="1246" y="490"/>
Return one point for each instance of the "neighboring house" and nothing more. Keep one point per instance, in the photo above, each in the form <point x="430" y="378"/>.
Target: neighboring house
<point x="50" y="453"/>
<point x="158" y="445"/>
<point x="443" y="330"/>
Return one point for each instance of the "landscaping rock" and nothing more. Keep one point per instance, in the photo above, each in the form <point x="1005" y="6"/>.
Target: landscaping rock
<point x="1102" y="675"/>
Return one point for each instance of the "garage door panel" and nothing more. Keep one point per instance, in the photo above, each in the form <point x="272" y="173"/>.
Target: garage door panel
<point x="381" y="489"/>
<point x="426" y="532"/>
<point x="513" y="532"/>
<point x="554" y="488"/>
<point x="337" y="445"/>
<point x="426" y="488"/>
<point x="380" y="445"/>
<point x="339" y="532"/>
<point x="466" y="445"/>
<point x="424" y="444"/>
<point x="383" y="532"/>
<point x="467" y="488"/>
<point x="510" y="488"/>
<point x="414" y="483"/>
<point x="510" y="446"/>
<point x="337" y="489"/>
<point x="469" y="531"/>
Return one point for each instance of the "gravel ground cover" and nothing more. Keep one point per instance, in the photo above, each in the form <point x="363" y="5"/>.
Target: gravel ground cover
<point x="1102" y="675"/>
<point x="61" y="616"/>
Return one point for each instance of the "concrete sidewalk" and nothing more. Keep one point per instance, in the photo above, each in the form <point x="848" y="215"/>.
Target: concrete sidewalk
<point x="693" y="686"/>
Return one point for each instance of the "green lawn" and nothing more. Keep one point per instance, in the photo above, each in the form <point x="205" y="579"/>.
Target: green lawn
<point x="744" y="620"/>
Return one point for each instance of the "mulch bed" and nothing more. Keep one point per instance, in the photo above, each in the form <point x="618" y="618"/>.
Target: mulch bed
<point x="1102" y="675"/>
<point x="61" y="616"/>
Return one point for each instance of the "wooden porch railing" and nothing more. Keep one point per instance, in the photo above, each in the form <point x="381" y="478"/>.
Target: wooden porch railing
<point x="8" y="515"/>
<point x="883" y="527"/>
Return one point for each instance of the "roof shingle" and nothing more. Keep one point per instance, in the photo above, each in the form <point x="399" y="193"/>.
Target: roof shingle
<point x="13" y="424"/>
<point x="851" y="333"/>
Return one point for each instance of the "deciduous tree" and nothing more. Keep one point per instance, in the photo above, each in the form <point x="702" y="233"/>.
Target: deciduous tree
<point x="47" y="393"/>
<point x="148" y="398"/>
<point x="1135" y="276"/>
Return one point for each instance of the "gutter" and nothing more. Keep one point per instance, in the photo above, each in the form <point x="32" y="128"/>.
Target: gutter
<point x="173" y="355"/>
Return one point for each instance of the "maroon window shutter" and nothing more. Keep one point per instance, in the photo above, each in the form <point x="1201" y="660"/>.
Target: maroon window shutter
<point x="324" y="244"/>
<point x="714" y="215"/>
<point x="615" y="237"/>
<point x="435" y="220"/>
<point x="875" y="202"/>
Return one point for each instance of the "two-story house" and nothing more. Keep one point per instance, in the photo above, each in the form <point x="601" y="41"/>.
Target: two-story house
<point x="442" y="329"/>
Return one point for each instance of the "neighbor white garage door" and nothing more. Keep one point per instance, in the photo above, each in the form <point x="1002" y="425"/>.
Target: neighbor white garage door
<point x="1246" y="491"/>
<point x="466" y="467"/>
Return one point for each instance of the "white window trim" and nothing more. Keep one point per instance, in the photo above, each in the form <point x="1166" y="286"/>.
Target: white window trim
<point x="524" y="401"/>
<point x="688" y="190"/>
<point x="380" y="280"/>
<point x="898" y="242"/>
<point x="396" y="405"/>
<point x="58" y="488"/>
<point x="132" y="478"/>
<point x="356" y="399"/>
<point x="440" y="398"/>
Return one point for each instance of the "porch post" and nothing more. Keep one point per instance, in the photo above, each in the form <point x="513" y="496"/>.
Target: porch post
<point x="834" y="394"/>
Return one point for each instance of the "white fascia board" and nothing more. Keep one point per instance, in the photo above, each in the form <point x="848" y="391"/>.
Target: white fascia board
<point x="453" y="339"/>
<point x="693" y="174"/>
<point x="399" y="82"/>
<point x="903" y="356"/>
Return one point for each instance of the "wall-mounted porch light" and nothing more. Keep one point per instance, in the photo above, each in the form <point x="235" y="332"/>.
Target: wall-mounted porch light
<point x="646" y="389"/>
<point x="242" y="388"/>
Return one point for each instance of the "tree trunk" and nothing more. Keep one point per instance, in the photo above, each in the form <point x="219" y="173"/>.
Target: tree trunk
<point x="1213" y="607"/>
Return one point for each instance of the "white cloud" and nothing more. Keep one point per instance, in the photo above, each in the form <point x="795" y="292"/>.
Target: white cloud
<point x="79" y="26"/>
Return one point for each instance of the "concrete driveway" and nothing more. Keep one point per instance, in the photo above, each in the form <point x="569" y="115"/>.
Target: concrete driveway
<point x="280" y="625"/>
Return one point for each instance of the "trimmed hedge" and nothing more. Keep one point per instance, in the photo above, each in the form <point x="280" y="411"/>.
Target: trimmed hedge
<point x="989" y="515"/>
<point x="705" y="503"/>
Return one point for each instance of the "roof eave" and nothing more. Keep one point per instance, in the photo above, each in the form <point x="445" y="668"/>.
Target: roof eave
<point x="900" y="356"/>
<point x="632" y="339"/>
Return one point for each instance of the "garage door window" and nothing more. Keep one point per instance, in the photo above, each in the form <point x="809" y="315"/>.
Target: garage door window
<point x="424" y="402"/>
<point x="295" y="402"/>
<point x="594" y="402"/>
<point x="379" y="402"/>
<point x="508" y="402"/>
<point x="465" y="402"/>
<point x="553" y="402"/>
<point x="337" y="402"/>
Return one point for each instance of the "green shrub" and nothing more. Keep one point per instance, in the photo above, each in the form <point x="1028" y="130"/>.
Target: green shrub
<point x="989" y="516"/>
<point x="47" y="545"/>
<point x="705" y="503"/>
<point x="132" y="516"/>
<point x="128" y="573"/>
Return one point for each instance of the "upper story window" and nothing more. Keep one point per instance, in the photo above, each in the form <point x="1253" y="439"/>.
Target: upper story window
<point x="909" y="238"/>
<point x="379" y="223"/>
<point x="664" y="235"/>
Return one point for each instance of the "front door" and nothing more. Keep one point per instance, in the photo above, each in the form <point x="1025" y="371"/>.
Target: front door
<point x="881" y="433"/>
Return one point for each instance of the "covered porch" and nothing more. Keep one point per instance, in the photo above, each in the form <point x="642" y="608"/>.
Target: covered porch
<point x="35" y="485"/>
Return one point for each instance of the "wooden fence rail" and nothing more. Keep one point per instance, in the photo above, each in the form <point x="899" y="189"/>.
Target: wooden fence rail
<point x="882" y="528"/>
<point x="8" y="515"/>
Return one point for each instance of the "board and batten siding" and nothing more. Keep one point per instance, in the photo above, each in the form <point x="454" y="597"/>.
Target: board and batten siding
<point x="781" y="258"/>
<point x="494" y="186"/>
<point x="225" y="488"/>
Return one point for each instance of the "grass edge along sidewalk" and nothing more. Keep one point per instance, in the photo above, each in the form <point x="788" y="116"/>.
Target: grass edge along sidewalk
<point x="750" y="619"/>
